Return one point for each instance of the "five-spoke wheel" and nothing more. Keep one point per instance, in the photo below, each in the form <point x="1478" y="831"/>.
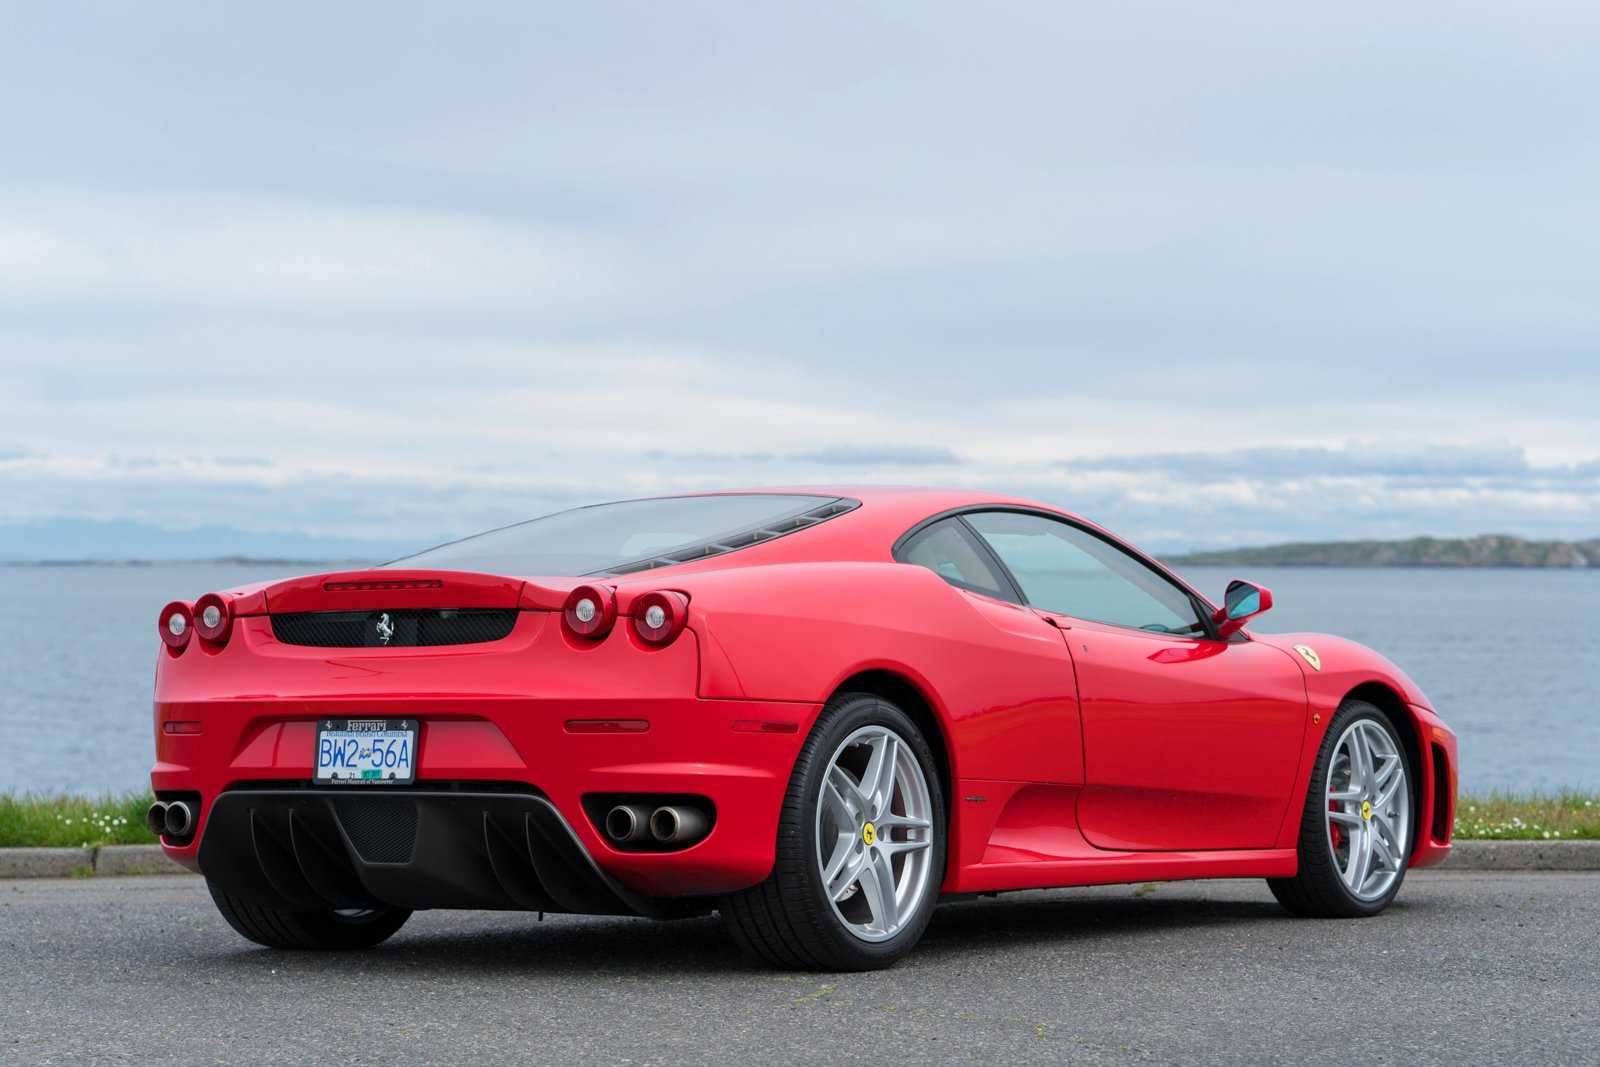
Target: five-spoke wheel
<point x="860" y="846"/>
<point x="874" y="829"/>
<point x="1356" y="828"/>
<point x="1369" y="809"/>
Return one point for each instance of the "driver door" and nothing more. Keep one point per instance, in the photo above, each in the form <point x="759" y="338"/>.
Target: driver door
<point x="1190" y="743"/>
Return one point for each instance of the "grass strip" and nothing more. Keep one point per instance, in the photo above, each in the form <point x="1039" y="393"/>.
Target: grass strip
<point x="29" y="820"/>
<point x="32" y="821"/>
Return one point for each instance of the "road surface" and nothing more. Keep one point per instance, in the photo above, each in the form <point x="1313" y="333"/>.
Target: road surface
<point x="1466" y="968"/>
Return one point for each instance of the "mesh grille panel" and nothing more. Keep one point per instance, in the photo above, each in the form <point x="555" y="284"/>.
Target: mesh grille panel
<point x="362" y="629"/>
<point x="383" y="829"/>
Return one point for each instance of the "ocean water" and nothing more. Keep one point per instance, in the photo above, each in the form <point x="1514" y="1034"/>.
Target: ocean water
<point x="1511" y="658"/>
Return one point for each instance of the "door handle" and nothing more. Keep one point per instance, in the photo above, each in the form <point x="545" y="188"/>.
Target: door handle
<point x="1057" y="623"/>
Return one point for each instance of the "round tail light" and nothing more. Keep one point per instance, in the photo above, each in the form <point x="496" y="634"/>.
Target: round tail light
<point x="590" y="611"/>
<point x="213" y="618"/>
<point x="660" y="616"/>
<point x="175" y="624"/>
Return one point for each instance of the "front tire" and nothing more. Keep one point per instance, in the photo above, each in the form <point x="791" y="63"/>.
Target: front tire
<point x="860" y="850"/>
<point x="278" y="928"/>
<point x="1358" y="826"/>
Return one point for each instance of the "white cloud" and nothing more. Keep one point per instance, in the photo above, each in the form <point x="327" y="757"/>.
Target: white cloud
<point x="1206" y="274"/>
<point x="264" y="251"/>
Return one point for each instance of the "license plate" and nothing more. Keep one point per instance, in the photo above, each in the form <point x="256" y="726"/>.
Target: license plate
<point x="366" y="751"/>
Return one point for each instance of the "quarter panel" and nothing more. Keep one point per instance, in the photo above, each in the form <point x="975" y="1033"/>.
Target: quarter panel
<point x="996" y="674"/>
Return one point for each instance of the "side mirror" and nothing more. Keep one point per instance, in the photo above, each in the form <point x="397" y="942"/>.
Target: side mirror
<point x="1242" y="602"/>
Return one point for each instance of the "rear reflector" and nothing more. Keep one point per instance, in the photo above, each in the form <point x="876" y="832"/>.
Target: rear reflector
<point x="765" y="726"/>
<point x="607" y="726"/>
<point x="180" y="726"/>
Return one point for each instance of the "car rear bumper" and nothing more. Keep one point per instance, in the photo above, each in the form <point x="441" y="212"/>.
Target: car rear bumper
<point x="735" y="754"/>
<point x="524" y="716"/>
<point x="409" y="848"/>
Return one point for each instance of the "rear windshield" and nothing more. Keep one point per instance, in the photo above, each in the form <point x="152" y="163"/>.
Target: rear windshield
<point x="631" y="535"/>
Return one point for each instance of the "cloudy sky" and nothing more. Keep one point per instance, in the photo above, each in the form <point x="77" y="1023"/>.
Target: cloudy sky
<point x="1211" y="274"/>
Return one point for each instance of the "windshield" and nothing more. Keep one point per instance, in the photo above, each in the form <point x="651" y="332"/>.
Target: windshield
<point x="630" y="535"/>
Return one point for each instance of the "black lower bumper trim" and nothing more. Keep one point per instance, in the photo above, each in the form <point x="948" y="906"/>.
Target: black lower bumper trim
<point x="317" y="849"/>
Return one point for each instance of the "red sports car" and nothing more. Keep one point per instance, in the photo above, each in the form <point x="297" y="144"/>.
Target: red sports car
<point x="817" y="711"/>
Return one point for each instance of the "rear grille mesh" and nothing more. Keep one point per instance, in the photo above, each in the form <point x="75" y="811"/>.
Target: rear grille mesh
<point x="405" y="628"/>
<point x="383" y="829"/>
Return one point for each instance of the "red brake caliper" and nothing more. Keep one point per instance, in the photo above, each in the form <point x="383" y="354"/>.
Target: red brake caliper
<point x="1336" y="834"/>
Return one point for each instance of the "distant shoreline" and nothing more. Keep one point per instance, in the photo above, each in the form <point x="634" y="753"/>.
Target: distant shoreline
<point x="1437" y="553"/>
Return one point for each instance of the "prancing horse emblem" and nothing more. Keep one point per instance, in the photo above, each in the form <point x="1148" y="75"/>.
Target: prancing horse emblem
<point x="385" y="629"/>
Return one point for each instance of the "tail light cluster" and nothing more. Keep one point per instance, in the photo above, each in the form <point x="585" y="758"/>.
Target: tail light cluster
<point x="660" y="616"/>
<point x="590" y="612"/>
<point x="211" y="617"/>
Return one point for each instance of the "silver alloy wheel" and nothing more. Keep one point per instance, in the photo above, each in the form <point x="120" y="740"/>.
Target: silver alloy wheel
<point x="1369" y="809"/>
<point x="874" y="833"/>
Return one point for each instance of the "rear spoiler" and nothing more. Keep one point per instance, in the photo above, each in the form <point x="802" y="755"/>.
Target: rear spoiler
<point x="371" y="590"/>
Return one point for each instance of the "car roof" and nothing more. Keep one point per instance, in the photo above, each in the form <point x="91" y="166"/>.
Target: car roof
<point x="865" y="533"/>
<point x="887" y="513"/>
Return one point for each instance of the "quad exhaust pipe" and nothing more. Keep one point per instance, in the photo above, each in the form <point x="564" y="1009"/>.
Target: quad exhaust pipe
<point x="628" y="824"/>
<point x="669" y="824"/>
<point x="674" y="824"/>
<point x="175" y="819"/>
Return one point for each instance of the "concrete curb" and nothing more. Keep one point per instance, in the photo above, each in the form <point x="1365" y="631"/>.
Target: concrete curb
<point x="82" y="862"/>
<point x="114" y="860"/>
<point x="135" y="859"/>
<point x="1524" y="856"/>
<point x="46" y="862"/>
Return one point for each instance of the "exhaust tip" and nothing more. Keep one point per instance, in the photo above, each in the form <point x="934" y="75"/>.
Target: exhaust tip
<point x="674" y="824"/>
<point x="622" y="823"/>
<point x="179" y="819"/>
<point x="664" y="824"/>
<point x="156" y="818"/>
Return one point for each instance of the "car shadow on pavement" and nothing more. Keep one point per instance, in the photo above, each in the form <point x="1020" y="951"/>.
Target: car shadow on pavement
<point x="514" y="943"/>
<point x="1054" y="916"/>
<point x="518" y="944"/>
<point x="1035" y="917"/>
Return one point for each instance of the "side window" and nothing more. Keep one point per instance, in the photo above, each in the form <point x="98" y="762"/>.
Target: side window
<point x="1062" y="568"/>
<point x="947" y="549"/>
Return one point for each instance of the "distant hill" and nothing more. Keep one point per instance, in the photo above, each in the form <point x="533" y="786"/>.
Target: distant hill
<point x="1489" y="550"/>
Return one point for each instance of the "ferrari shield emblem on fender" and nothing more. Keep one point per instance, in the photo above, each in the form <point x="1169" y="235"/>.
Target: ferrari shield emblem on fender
<point x="1309" y="654"/>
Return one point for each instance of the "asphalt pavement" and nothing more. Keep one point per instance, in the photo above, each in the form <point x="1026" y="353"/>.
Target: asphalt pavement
<point x="1465" y="968"/>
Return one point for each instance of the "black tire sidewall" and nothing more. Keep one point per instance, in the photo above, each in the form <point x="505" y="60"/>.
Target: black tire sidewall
<point x="839" y="721"/>
<point x="306" y="930"/>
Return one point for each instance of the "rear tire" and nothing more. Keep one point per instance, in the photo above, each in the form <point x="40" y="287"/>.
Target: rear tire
<point x="1328" y="849"/>
<point x="323" y="930"/>
<point x="791" y="920"/>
